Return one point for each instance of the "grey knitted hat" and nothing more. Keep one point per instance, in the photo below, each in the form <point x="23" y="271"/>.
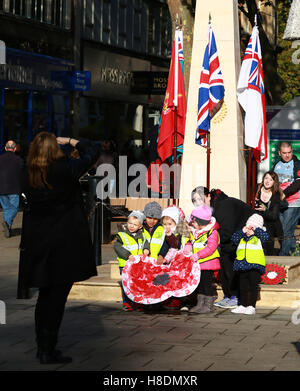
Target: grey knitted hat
<point x="153" y="209"/>
<point x="138" y="214"/>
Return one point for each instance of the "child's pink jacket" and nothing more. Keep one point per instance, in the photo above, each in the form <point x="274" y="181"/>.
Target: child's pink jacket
<point x="212" y="244"/>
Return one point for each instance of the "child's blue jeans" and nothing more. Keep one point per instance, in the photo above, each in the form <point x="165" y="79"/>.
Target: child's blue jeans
<point x="124" y="296"/>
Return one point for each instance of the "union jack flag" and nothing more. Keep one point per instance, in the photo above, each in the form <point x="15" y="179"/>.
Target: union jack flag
<point x="251" y="96"/>
<point x="180" y="48"/>
<point x="211" y="89"/>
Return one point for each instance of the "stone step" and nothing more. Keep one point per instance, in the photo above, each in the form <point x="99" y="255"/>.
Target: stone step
<point x="107" y="286"/>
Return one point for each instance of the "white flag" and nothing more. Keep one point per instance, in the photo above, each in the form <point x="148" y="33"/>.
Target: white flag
<point x="251" y="96"/>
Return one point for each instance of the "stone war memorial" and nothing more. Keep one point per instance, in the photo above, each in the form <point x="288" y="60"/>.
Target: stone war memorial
<point x="227" y="163"/>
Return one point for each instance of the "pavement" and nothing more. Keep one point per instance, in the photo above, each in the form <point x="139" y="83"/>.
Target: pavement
<point x="102" y="338"/>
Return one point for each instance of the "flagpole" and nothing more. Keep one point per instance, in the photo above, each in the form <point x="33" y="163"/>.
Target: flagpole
<point x="253" y="181"/>
<point x="208" y="162"/>
<point x="175" y="106"/>
<point x="249" y="176"/>
<point x="208" y="141"/>
<point x="251" y="162"/>
<point x="175" y="90"/>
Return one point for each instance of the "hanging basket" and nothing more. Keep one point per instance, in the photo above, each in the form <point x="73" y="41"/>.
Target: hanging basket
<point x="146" y="282"/>
<point x="275" y="274"/>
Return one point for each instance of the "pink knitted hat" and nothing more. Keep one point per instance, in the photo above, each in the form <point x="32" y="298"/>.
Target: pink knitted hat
<point x="202" y="214"/>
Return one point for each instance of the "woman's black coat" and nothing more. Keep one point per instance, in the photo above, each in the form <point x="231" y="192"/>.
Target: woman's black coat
<point x="56" y="246"/>
<point x="231" y="214"/>
<point x="272" y="222"/>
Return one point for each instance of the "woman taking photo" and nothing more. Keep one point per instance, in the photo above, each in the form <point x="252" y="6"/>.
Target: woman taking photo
<point x="56" y="246"/>
<point x="267" y="204"/>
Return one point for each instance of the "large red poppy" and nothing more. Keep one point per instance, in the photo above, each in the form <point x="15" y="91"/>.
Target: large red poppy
<point x="275" y="274"/>
<point x="146" y="282"/>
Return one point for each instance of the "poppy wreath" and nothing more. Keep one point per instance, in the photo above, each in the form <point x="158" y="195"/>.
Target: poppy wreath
<point x="274" y="274"/>
<point x="146" y="282"/>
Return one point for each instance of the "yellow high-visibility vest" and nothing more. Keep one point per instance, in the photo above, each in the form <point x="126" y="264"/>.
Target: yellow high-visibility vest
<point x="135" y="247"/>
<point x="200" y="243"/>
<point x="251" y="251"/>
<point x="156" y="240"/>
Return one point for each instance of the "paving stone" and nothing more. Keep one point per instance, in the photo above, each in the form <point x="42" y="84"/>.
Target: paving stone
<point x="102" y="337"/>
<point x="226" y="365"/>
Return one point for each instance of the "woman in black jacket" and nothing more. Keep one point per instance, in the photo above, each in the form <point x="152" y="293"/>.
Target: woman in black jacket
<point x="56" y="246"/>
<point x="267" y="204"/>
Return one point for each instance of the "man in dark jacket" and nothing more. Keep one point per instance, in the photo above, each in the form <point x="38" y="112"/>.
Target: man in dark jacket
<point x="11" y="166"/>
<point x="288" y="171"/>
<point x="231" y="214"/>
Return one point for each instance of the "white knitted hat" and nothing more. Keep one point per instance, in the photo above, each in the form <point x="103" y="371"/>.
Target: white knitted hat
<point x="256" y="221"/>
<point x="172" y="212"/>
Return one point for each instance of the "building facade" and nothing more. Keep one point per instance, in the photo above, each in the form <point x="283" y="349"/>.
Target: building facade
<point x="32" y="98"/>
<point x="122" y="38"/>
<point x="53" y="46"/>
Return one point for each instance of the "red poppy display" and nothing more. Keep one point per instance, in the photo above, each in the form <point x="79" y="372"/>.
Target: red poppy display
<point x="275" y="274"/>
<point x="146" y="282"/>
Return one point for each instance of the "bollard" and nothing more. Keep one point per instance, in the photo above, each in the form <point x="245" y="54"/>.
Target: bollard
<point x="97" y="234"/>
<point x="22" y="292"/>
<point x="95" y="217"/>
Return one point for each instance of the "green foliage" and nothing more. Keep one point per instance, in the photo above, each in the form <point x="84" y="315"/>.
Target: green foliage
<point x="287" y="69"/>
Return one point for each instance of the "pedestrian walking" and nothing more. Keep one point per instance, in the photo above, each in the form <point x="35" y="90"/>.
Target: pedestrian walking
<point x="56" y="245"/>
<point x="250" y="262"/>
<point x="11" y="166"/>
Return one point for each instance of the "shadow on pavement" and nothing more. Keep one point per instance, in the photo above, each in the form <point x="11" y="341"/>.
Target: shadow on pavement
<point x="297" y="346"/>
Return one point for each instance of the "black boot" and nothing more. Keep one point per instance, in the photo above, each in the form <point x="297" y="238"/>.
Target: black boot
<point x="46" y="352"/>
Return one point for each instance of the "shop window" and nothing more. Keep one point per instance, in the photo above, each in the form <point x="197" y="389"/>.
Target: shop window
<point x="56" y="12"/>
<point x="15" y="118"/>
<point x="39" y="113"/>
<point x="58" y="115"/>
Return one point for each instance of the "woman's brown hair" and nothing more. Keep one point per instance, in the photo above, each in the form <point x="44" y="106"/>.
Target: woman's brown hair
<point x="43" y="151"/>
<point x="275" y="188"/>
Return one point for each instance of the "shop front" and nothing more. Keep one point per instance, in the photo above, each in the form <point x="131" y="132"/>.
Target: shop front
<point x="111" y="109"/>
<point x="32" y="96"/>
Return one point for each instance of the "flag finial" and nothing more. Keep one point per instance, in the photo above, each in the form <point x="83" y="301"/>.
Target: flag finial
<point x="178" y="23"/>
<point x="209" y="18"/>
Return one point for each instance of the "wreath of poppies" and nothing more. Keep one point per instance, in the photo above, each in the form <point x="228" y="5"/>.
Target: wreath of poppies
<point x="146" y="282"/>
<point x="274" y="274"/>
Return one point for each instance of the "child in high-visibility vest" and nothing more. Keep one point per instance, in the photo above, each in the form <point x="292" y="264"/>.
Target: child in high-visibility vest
<point x="174" y="239"/>
<point x="203" y="245"/>
<point x="250" y="262"/>
<point x="175" y="233"/>
<point x="153" y="228"/>
<point x="130" y="242"/>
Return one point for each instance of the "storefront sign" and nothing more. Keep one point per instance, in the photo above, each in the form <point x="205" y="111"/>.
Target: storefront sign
<point x="73" y="81"/>
<point x="112" y="74"/>
<point x="151" y="83"/>
<point x="25" y="70"/>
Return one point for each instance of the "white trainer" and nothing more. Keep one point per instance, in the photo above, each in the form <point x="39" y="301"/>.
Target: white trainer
<point x="239" y="310"/>
<point x="249" y="310"/>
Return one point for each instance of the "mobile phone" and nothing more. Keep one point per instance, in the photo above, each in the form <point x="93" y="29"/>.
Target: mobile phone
<point x="256" y="204"/>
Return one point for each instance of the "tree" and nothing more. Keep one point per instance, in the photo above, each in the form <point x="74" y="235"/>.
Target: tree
<point x="185" y="9"/>
<point x="289" y="58"/>
<point x="274" y="83"/>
